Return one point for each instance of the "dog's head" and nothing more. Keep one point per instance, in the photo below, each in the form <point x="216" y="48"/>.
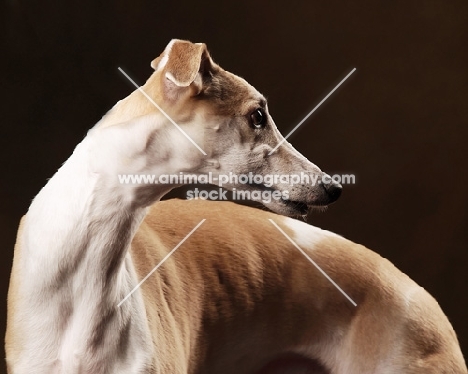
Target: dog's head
<point x="230" y="121"/>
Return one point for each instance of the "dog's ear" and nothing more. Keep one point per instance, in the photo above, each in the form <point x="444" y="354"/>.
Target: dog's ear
<point x="183" y="65"/>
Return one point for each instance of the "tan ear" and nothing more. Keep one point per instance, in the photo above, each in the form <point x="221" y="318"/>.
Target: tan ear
<point x="182" y="61"/>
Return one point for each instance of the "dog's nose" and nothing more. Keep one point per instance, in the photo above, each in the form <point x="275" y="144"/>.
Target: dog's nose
<point x="333" y="190"/>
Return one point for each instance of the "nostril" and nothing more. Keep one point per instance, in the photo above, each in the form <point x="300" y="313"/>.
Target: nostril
<point x="333" y="190"/>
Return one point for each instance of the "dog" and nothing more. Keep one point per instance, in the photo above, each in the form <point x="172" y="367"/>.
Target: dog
<point x="237" y="296"/>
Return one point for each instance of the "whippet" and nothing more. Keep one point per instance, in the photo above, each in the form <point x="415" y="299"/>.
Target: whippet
<point x="237" y="297"/>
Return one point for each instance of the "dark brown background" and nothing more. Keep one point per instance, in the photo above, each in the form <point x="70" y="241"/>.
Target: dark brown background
<point x="399" y="123"/>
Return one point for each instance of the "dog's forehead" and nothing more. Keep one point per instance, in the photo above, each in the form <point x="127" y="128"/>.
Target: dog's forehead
<point x="250" y="91"/>
<point x="232" y="94"/>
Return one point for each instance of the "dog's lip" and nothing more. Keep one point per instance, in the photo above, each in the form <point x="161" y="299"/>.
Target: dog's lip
<point x="297" y="206"/>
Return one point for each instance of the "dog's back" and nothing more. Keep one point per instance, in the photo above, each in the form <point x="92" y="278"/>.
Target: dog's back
<point x="240" y="295"/>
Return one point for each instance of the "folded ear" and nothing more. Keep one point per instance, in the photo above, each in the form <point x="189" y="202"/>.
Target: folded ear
<point x="183" y="63"/>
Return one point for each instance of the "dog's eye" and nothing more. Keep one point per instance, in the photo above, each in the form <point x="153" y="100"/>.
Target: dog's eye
<point x="258" y="118"/>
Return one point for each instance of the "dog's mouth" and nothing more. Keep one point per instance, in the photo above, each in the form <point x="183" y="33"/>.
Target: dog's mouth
<point x="281" y="205"/>
<point x="298" y="208"/>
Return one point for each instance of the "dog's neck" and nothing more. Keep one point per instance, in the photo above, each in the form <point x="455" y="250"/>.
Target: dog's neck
<point x="80" y="228"/>
<point x="87" y="187"/>
<point x="134" y="105"/>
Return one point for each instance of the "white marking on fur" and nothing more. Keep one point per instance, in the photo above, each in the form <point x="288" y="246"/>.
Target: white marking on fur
<point x="313" y="262"/>
<point x="165" y="58"/>
<point x="162" y="111"/>
<point x="306" y="235"/>
<point x="74" y="226"/>
<point x="175" y="81"/>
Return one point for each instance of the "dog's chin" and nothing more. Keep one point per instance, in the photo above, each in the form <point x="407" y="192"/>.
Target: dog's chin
<point x="294" y="209"/>
<point x="286" y="207"/>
